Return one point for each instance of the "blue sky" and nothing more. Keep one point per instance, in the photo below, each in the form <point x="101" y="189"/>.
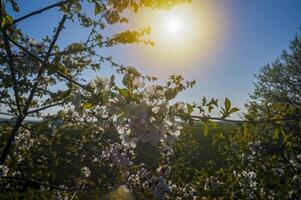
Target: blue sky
<point x="254" y="33"/>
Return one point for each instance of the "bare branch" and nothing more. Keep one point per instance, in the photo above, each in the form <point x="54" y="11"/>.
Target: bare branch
<point x="8" y="114"/>
<point x="10" y="103"/>
<point x="37" y="183"/>
<point x="39" y="11"/>
<point x="12" y="70"/>
<point x="46" y="91"/>
<point x="45" y="107"/>
<point x="200" y="118"/>
<point x="72" y="81"/>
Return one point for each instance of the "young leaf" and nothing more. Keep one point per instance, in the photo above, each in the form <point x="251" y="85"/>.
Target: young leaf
<point x="97" y="8"/>
<point x="87" y="105"/>
<point x="64" y="8"/>
<point x="9" y="19"/>
<point x="124" y="92"/>
<point x="246" y="130"/>
<point x="3" y="21"/>
<point x="210" y="108"/>
<point x="233" y="110"/>
<point x="276" y="134"/>
<point x="212" y="124"/>
<point x="189" y="108"/>
<point x="205" y="129"/>
<point x="52" y="70"/>
<point x="227" y="104"/>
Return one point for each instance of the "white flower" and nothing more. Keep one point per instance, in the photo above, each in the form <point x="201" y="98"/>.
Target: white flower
<point x="153" y="92"/>
<point x="175" y="130"/>
<point x="35" y="46"/>
<point x="100" y="84"/>
<point x="85" y="171"/>
<point x="170" y="139"/>
<point x="180" y="106"/>
<point x="164" y="170"/>
<point x="128" y="140"/>
<point x="137" y="83"/>
<point x="33" y="42"/>
<point x="76" y="100"/>
<point x="3" y="170"/>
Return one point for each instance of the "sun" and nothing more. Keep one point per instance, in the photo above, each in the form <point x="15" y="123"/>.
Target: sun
<point x="182" y="36"/>
<point x="173" y="25"/>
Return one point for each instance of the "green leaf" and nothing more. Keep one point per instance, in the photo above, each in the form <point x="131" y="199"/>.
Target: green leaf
<point x="189" y="109"/>
<point x="51" y="70"/>
<point x="233" y="110"/>
<point x="212" y="124"/>
<point x="124" y="92"/>
<point x="134" y="7"/>
<point x="210" y="108"/>
<point x="276" y="134"/>
<point x="278" y="106"/>
<point x="64" y="8"/>
<point x="3" y="21"/>
<point x="289" y="145"/>
<point x="205" y="129"/>
<point x="246" y="130"/>
<point x="9" y="19"/>
<point x="88" y="105"/>
<point x="285" y="137"/>
<point x="97" y="8"/>
<point x="63" y="69"/>
<point x="277" y="117"/>
<point x="227" y="104"/>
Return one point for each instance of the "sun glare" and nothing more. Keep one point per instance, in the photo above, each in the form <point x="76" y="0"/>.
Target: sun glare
<point x="173" y="25"/>
<point x="182" y="35"/>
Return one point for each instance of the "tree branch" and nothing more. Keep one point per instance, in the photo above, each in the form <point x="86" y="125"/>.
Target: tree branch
<point x="46" y="91"/>
<point x="12" y="70"/>
<point x="8" y="114"/>
<point x="39" y="11"/>
<point x="48" y="65"/>
<point x="27" y="104"/>
<point x="200" y="118"/>
<point x="9" y="103"/>
<point x="45" y="107"/>
<point x="51" y="187"/>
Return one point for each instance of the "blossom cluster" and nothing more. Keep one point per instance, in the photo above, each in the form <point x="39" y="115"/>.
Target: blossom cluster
<point x="139" y="113"/>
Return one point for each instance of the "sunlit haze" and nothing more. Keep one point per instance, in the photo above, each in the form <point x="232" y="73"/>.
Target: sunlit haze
<point x="184" y="35"/>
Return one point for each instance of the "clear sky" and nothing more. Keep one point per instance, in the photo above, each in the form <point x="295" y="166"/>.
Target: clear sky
<point x="245" y="35"/>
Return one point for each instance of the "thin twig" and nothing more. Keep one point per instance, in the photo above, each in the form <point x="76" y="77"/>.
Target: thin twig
<point x="39" y="11"/>
<point x="21" y="118"/>
<point x="12" y="70"/>
<point x="45" y="107"/>
<point x="49" y="186"/>
<point x="274" y="121"/>
<point x="8" y="114"/>
<point x="47" y="65"/>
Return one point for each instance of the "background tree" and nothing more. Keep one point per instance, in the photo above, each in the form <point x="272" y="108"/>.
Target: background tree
<point x="277" y="96"/>
<point x="277" y="92"/>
